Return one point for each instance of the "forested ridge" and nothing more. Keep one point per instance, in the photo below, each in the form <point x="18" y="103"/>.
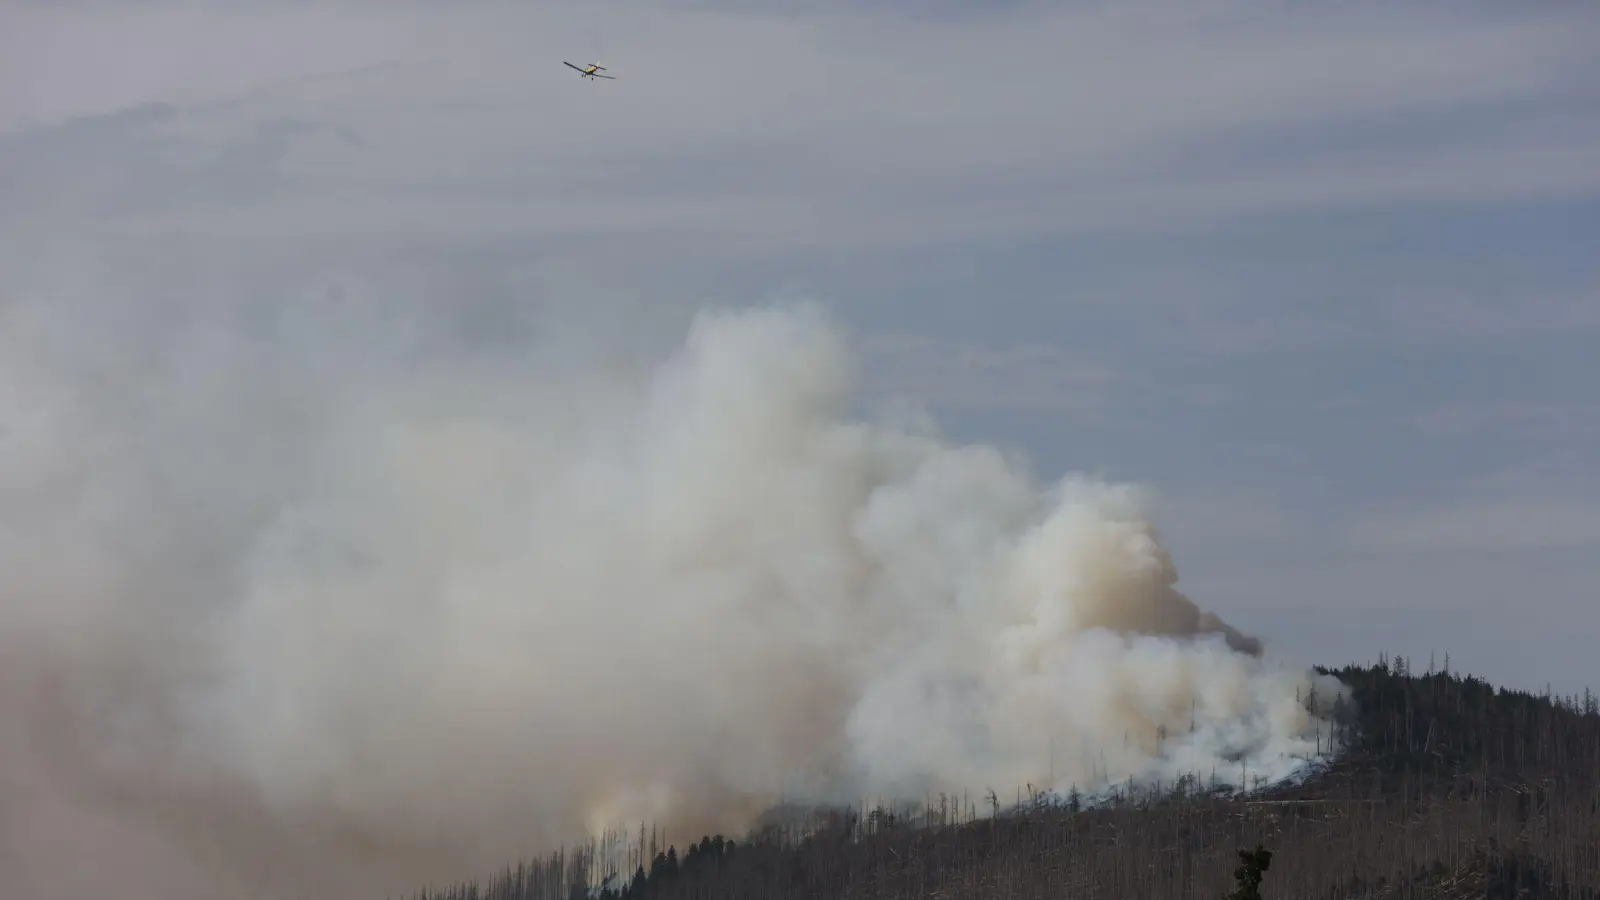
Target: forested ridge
<point x="1448" y="788"/>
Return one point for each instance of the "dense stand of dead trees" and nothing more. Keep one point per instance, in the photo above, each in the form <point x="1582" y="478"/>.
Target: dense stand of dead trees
<point x="1449" y="788"/>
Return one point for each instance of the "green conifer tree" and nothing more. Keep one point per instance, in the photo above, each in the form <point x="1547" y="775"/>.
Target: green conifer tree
<point x="1253" y="866"/>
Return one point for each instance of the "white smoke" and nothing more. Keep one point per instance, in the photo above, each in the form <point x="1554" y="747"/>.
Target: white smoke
<point x="297" y="597"/>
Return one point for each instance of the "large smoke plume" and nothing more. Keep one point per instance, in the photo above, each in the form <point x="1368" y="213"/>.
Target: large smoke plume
<point x="297" y="596"/>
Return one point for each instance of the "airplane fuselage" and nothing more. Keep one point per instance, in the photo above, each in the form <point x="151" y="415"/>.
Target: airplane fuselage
<point x="591" y="71"/>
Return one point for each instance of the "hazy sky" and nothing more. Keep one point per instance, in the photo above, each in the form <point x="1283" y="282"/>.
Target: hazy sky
<point x="1325" y="276"/>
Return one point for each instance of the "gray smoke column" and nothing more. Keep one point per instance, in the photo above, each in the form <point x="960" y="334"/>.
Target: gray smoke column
<point x="299" y="596"/>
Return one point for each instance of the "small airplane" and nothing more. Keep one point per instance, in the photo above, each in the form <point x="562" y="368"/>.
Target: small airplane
<point x="592" y="70"/>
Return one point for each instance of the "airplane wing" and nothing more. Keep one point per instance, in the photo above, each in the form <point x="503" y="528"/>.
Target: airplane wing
<point x="611" y="77"/>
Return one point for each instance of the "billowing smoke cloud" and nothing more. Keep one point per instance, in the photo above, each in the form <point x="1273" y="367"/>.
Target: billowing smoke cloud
<point x="300" y="596"/>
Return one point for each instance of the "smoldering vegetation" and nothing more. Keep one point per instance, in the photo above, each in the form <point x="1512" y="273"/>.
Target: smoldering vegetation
<point x="1449" y="788"/>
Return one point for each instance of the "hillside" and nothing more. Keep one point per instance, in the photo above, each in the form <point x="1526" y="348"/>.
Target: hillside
<point x="1450" y="788"/>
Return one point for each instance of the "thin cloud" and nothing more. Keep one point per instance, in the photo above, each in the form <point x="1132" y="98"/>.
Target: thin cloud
<point x="969" y="375"/>
<point x="1544" y="421"/>
<point x="1509" y="512"/>
<point x="1490" y="315"/>
<point x="830" y="130"/>
<point x="1222" y="519"/>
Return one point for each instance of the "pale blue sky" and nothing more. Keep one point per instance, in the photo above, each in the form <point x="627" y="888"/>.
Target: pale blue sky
<point x="1326" y="277"/>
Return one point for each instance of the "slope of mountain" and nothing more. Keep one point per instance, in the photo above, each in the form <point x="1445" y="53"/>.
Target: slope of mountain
<point x="1449" y="788"/>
